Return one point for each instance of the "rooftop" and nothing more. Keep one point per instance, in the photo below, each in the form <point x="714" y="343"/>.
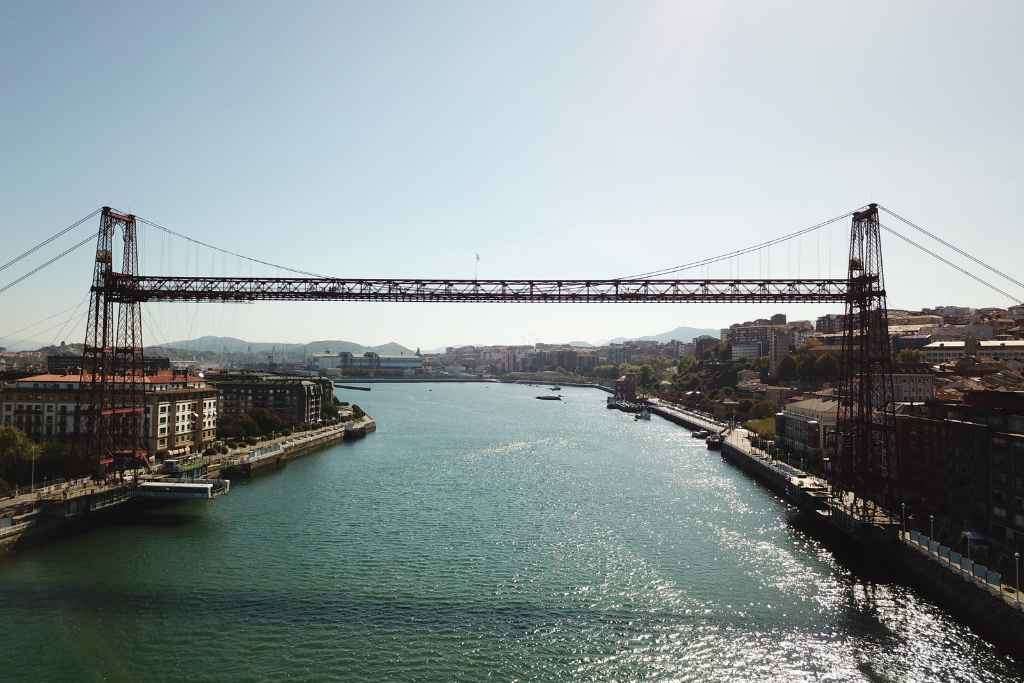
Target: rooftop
<point x="157" y="378"/>
<point x="990" y="344"/>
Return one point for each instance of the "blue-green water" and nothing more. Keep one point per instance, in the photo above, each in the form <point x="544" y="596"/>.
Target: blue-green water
<point x="479" y="533"/>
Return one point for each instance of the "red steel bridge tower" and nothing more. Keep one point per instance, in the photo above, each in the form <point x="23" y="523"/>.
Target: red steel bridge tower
<point x="866" y="467"/>
<point x="112" y="380"/>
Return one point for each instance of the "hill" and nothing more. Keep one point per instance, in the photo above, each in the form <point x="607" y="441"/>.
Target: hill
<point x="210" y="344"/>
<point x="683" y="334"/>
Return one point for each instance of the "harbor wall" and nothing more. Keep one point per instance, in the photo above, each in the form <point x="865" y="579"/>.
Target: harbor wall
<point x="991" y="610"/>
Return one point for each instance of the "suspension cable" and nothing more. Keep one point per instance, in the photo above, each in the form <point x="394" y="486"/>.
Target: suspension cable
<point x="48" y="240"/>
<point x="738" y="252"/>
<point x="228" y="251"/>
<point x="953" y="247"/>
<point x="949" y="263"/>
<point x="12" y="335"/>
<point x="56" y="258"/>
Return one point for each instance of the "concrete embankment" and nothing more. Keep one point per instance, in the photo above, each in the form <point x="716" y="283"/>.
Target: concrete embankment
<point x="69" y="507"/>
<point x="275" y="454"/>
<point x="65" y="509"/>
<point x="974" y="594"/>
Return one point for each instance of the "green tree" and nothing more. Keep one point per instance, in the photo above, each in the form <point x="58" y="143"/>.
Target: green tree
<point x="827" y="367"/>
<point x="329" y="409"/>
<point x="762" y="409"/>
<point x="728" y="376"/>
<point x="910" y="357"/>
<point x="17" y="453"/>
<point x="787" y="369"/>
<point x="807" y="368"/>
<point x="646" y="376"/>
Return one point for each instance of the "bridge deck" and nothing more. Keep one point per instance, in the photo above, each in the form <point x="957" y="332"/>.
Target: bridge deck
<point x="171" y="288"/>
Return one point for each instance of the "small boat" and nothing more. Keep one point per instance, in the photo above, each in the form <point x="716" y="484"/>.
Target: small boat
<point x="555" y="388"/>
<point x="612" y="402"/>
<point x="644" y="414"/>
<point x="549" y="398"/>
<point x="714" y="442"/>
<point x="702" y="434"/>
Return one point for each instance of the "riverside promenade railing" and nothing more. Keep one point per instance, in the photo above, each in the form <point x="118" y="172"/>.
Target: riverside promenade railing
<point x="964" y="567"/>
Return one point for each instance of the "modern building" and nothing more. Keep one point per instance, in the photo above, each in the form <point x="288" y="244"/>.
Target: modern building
<point x="703" y="344"/>
<point x="748" y="351"/>
<point x="374" y="364"/>
<point x="773" y="342"/>
<point x="294" y="400"/>
<point x="830" y="324"/>
<point x="619" y="354"/>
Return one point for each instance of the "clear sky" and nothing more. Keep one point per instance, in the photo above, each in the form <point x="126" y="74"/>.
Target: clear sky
<point x="589" y="139"/>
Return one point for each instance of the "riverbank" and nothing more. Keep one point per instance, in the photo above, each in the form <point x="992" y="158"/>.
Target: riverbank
<point x="71" y="507"/>
<point x="967" y="589"/>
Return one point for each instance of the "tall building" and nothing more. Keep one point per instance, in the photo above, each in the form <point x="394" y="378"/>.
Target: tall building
<point x="772" y="341"/>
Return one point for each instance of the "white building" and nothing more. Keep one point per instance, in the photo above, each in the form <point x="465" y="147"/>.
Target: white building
<point x="946" y="351"/>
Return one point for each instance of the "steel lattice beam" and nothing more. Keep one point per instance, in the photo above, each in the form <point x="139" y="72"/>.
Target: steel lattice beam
<point x="171" y="288"/>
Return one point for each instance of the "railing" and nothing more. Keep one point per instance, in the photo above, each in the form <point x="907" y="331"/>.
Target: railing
<point x="14" y="529"/>
<point x="963" y="566"/>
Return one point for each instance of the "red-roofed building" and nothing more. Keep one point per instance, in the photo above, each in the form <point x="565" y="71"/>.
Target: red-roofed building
<point x="180" y="412"/>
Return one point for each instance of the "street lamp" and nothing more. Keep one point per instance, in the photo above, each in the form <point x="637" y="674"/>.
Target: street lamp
<point x="903" y="518"/>
<point x="931" y="522"/>
<point x="1016" y="562"/>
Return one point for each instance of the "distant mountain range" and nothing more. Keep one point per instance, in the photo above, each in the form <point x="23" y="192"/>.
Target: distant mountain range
<point x="683" y="334"/>
<point x="21" y="344"/>
<point x="209" y="344"/>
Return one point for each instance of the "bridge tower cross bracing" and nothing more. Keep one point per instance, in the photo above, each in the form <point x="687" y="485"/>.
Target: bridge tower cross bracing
<point x="865" y="473"/>
<point x="112" y="380"/>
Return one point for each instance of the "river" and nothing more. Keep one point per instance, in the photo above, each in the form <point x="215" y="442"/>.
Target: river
<point x="478" y="532"/>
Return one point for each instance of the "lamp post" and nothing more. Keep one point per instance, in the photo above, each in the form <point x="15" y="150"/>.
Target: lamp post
<point x="931" y="523"/>
<point x="1016" y="562"/>
<point x="903" y="518"/>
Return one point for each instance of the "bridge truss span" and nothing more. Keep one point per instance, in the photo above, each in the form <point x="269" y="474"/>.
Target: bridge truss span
<point x="155" y="288"/>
